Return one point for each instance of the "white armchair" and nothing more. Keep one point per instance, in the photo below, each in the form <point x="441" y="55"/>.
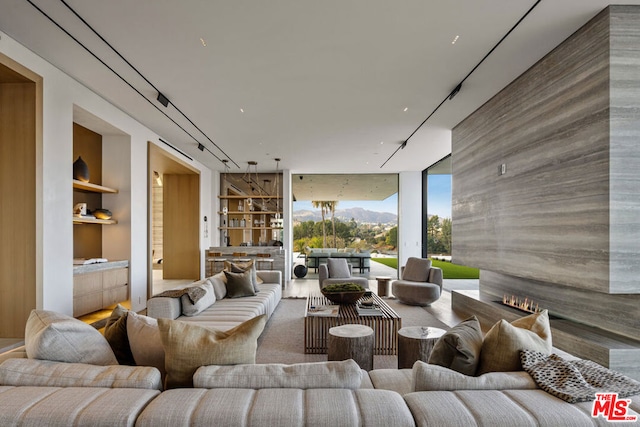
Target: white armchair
<point x="338" y="270"/>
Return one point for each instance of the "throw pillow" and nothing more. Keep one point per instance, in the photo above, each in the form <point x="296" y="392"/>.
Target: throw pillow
<point x="241" y="267"/>
<point x="190" y="308"/>
<point x="145" y="341"/>
<point x="54" y="336"/>
<point x="345" y="374"/>
<point x="219" y="282"/>
<point x="239" y="285"/>
<point x="338" y="268"/>
<point x="417" y="270"/>
<point x="187" y="347"/>
<point x="459" y="348"/>
<point x="115" y="332"/>
<point x="502" y="344"/>
<point x="427" y="377"/>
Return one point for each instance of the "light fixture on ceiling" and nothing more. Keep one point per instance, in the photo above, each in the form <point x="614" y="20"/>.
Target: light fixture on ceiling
<point x="204" y="43"/>
<point x="242" y="110"/>
<point x="157" y="177"/>
<point x="455" y="39"/>
<point x="201" y="147"/>
<point x="405" y="109"/>
<point x="163" y="99"/>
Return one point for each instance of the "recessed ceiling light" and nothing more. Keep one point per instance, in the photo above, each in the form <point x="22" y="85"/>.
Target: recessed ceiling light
<point x="242" y="110"/>
<point x="405" y="109"/>
<point x="381" y="142"/>
<point x="204" y="43"/>
<point x="455" y="39"/>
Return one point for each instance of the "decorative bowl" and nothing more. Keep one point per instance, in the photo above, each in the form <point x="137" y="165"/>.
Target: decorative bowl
<point x="341" y="293"/>
<point x="102" y="213"/>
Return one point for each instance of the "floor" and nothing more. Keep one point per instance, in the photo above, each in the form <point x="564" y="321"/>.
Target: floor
<point x="297" y="288"/>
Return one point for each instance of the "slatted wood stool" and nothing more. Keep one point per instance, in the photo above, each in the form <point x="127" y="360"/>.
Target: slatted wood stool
<point x="214" y="260"/>
<point x="262" y="259"/>
<point x="352" y="342"/>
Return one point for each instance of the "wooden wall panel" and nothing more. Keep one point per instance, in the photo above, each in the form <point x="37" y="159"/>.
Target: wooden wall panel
<point x="181" y="248"/>
<point x="18" y="207"/>
<point x="547" y="218"/>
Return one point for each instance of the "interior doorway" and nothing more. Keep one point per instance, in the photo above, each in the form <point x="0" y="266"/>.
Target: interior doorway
<point x="20" y="137"/>
<point x="174" y="248"/>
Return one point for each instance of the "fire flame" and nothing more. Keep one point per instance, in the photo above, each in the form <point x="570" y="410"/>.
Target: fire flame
<point x="525" y="304"/>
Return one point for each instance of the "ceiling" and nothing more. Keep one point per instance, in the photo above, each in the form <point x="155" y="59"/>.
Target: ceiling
<point x="330" y="87"/>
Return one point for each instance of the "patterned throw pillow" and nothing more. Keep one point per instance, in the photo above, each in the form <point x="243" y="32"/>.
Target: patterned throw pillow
<point x="575" y="380"/>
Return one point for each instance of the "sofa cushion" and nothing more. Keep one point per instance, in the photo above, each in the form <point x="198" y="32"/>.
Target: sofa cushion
<point x="189" y="346"/>
<point x="416" y="270"/>
<point x="459" y="348"/>
<point x="115" y="331"/>
<point x="219" y="282"/>
<point x="45" y="373"/>
<point x="189" y="308"/>
<point x="345" y="374"/>
<point x="239" y="285"/>
<point x="427" y="377"/>
<point x="338" y="268"/>
<point x="55" y="336"/>
<point x="502" y="344"/>
<point x="145" y="341"/>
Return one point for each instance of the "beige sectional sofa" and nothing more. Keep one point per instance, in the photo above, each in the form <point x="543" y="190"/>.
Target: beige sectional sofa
<point x="42" y="393"/>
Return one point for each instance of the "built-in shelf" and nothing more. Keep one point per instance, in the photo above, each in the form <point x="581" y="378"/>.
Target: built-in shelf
<point x="249" y="212"/>
<point x="250" y="228"/>
<point x="93" y="188"/>
<point x="77" y="220"/>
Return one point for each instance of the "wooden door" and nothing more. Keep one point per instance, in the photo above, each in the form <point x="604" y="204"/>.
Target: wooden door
<point x="180" y="230"/>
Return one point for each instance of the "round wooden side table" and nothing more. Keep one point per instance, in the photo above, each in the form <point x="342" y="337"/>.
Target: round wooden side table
<point x="383" y="285"/>
<point x="351" y="342"/>
<point x="415" y="343"/>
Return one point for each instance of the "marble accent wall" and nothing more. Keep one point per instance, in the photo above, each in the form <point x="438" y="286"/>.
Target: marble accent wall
<point x="567" y="209"/>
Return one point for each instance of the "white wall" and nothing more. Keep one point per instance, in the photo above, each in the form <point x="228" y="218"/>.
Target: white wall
<point x="60" y="94"/>
<point x="410" y="216"/>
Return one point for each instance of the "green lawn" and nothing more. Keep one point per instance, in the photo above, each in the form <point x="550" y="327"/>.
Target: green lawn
<point x="449" y="270"/>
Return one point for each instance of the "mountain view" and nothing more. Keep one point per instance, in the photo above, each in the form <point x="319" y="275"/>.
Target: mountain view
<point x="360" y="215"/>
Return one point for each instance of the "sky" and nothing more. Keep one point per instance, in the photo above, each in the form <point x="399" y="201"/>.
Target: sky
<point x="439" y="201"/>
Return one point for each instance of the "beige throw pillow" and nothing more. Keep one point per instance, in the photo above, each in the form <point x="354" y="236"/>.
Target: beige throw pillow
<point x="219" y="282"/>
<point x="504" y="341"/>
<point x="187" y="347"/>
<point x="145" y="341"/>
<point x="55" y="336"/>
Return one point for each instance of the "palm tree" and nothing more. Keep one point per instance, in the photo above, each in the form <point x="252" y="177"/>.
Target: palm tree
<point x="332" y="207"/>
<point x="322" y="206"/>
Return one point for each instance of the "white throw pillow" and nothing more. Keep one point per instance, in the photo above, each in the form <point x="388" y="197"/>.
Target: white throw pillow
<point x="219" y="282"/>
<point x="192" y="309"/>
<point x="55" y="336"/>
<point x="427" y="377"/>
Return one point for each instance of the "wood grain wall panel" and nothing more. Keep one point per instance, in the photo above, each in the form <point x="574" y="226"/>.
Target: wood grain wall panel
<point x="548" y="218"/>
<point x="624" y="149"/>
<point x="181" y="247"/>
<point x="18" y="207"/>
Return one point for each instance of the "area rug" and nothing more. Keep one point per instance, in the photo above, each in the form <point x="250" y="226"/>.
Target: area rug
<point x="283" y="338"/>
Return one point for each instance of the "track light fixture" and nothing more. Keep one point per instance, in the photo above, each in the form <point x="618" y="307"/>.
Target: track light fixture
<point x="163" y="99"/>
<point x="200" y="146"/>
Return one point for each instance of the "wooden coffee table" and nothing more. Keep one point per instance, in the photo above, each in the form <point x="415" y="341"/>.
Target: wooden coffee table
<point x="385" y="327"/>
